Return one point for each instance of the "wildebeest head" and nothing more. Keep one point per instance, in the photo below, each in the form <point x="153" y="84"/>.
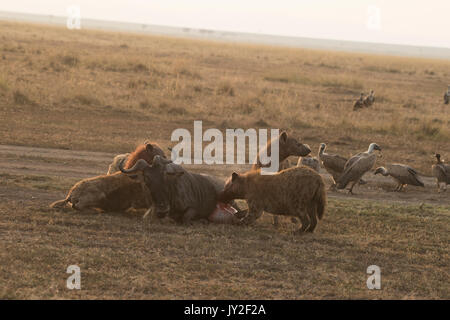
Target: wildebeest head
<point x="157" y="179"/>
<point x="234" y="188"/>
<point x="289" y="146"/>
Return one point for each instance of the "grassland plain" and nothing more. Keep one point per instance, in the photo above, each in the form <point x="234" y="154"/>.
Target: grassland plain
<point x="99" y="91"/>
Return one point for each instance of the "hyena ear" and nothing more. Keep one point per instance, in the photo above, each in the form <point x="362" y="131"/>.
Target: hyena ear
<point x="234" y="176"/>
<point x="148" y="147"/>
<point x="283" y="137"/>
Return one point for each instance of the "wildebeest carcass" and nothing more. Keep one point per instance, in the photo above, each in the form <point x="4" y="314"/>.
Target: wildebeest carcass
<point x="176" y="192"/>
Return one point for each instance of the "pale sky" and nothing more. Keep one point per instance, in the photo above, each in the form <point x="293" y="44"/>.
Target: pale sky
<point x="413" y="22"/>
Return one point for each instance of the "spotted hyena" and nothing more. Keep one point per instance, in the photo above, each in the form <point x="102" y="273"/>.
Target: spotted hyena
<point x="287" y="146"/>
<point x="296" y="192"/>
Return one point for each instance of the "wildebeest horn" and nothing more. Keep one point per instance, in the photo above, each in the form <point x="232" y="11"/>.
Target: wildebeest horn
<point x="173" y="168"/>
<point x="140" y="165"/>
<point x="160" y="160"/>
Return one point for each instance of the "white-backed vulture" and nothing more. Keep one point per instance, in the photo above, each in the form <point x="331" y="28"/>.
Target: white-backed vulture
<point x="361" y="163"/>
<point x="447" y="96"/>
<point x="370" y="99"/>
<point x="402" y="174"/>
<point x="441" y="172"/>
<point x="352" y="160"/>
<point x="311" y="162"/>
<point x="333" y="163"/>
<point x="359" y="103"/>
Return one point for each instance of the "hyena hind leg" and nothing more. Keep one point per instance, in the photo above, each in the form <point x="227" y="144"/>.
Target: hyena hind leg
<point x="304" y="218"/>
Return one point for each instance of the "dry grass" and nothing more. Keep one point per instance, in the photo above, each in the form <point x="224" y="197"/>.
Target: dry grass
<point x="86" y="90"/>
<point x="121" y="256"/>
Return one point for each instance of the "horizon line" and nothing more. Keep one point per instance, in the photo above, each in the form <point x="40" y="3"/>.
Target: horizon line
<point x="378" y="48"/>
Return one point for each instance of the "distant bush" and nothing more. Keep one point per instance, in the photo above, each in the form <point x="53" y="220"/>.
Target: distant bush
<point x="145" y="104"/>
<point x="197" y="88"/>
<point x="177" y="111"/>
<point x="225" y="88"/>
<point x="262" y="123"/>
<point x="329" y="66"/>
<point x="325" y="81"/>
<point x="299" y="124"/>
<point x="429" y="130"/>
<point x="86" y="100"/>
<point x="410" y="105"/>
<point x="140" y="67"/>
<point x="381" y="69"/>
<point x="340" y="83"/>
<point x="21" y="98"/>
<point x="289" y="78"/>
<point x="69" y="60"/>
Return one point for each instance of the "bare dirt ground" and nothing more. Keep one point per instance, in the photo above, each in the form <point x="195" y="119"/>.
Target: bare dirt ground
<point x="82" y="164"/>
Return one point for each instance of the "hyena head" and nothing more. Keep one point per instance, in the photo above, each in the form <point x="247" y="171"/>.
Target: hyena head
<point x="147" y="151"/>
<point x="86" y="195"/>
<point x="234" y="188"/>
<point x="289" y="146"/>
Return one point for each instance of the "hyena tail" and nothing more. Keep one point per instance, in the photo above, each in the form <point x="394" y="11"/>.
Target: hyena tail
<point x="320" y="199"/>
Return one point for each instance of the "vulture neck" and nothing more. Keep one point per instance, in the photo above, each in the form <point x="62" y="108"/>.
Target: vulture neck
<point x="371" y="148"/>
<point x="321" y="151"/>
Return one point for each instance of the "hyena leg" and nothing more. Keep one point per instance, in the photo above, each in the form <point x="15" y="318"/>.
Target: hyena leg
<point x="276" y="221"/>
<point x="334" y="184"/>
<point x="351" y="188"/>
<point x="304" y="217"/>
<point x="253" y="215"/>
<point x="313" y="217"/>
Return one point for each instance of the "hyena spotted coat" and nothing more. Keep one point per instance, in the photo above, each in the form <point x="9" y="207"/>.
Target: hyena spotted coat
<point x="288" y="146"/>
<point x="297" y="192"/>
